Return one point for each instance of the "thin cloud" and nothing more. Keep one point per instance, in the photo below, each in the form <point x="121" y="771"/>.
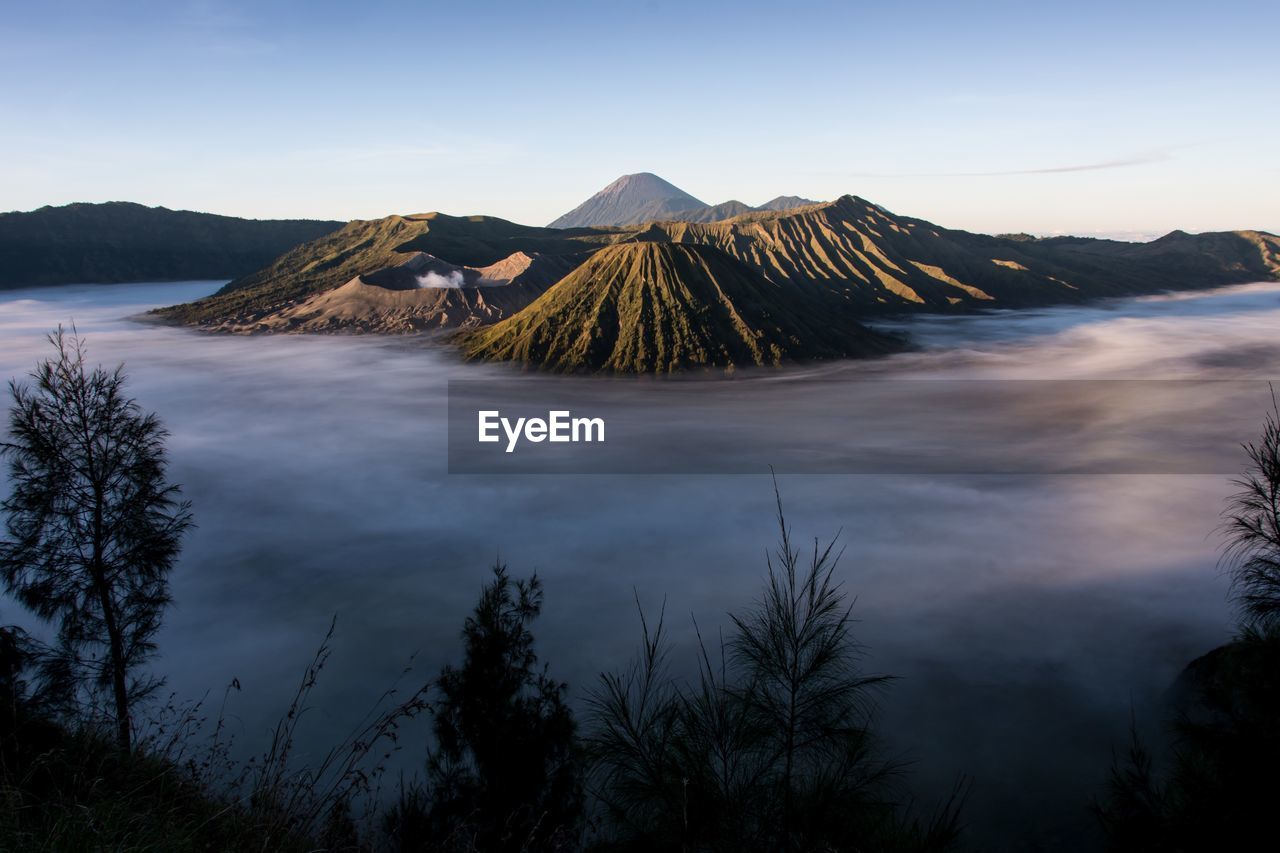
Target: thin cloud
<point x="1139" y="160"/>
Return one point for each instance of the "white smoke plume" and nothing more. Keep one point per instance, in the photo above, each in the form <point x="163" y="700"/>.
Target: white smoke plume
<point x="434" y="279"/>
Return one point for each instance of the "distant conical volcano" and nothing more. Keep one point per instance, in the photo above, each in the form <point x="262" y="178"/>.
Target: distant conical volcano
<point x="641" y="197"/>
<point x="644" y="197"/>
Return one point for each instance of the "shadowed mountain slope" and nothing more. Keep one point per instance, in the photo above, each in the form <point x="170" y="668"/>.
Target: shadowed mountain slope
<point x="659" y="307"/>
<point x="121" y="241"/>
<point x="880" y="261"/>
<point x="1217" y="257"/>
<point x="786" y="202"/>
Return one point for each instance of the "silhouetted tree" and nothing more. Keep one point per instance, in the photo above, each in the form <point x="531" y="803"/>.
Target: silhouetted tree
<point x="800" y="660"/>
<point x="1219" y="788"/>
<point x="503" y="776"/>
<point x="14" y="660"/>
<point x="769" y="749"/>
<point x="636" y="764"/>
<point x="93" y="525"/>
<point x="1253" y="528"/>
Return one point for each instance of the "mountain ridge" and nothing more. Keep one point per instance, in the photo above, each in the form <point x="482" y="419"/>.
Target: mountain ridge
<point x="422" y="294"/>
<point x="119" y="241"/>
<point x="836" y="265"/>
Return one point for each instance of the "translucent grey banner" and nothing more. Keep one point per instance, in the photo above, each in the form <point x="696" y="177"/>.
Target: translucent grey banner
<point x="531" y="424"/>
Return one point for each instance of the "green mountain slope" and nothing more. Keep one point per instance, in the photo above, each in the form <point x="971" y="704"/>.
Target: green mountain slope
<point x="122" y="241"/>
<point x="657" y="308"/>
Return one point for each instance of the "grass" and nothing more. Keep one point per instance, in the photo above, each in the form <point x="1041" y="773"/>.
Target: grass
<point x="67" y="786"/>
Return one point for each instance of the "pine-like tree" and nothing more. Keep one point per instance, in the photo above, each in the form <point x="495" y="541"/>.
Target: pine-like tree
<point x="504" y="775"/>
<point x="93" y="525"/>
<point x="1253" y="528"/>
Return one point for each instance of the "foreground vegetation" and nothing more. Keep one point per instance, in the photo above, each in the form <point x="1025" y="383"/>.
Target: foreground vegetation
<point x="769" y="746"/>
<point x="1217" y="790"/>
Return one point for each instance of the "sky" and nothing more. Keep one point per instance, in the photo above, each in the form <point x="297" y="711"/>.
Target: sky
<point x="1126" y="119"/>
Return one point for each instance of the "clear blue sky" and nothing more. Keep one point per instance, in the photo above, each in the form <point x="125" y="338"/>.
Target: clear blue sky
<point x="1079" y="117"/>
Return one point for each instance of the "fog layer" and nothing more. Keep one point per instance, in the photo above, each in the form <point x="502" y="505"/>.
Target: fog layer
<point x="1024" y="614"/>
